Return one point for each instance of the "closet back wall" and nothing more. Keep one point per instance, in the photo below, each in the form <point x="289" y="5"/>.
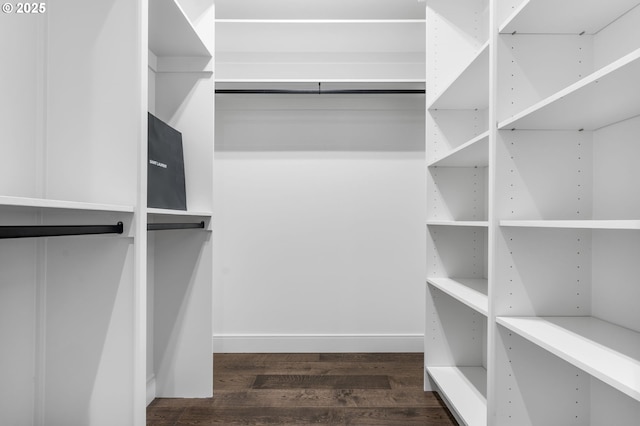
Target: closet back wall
<point x="319" y="223"/>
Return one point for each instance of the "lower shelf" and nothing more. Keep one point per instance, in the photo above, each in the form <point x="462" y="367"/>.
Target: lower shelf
<point x="465" y="390"/>
<point x="606" y="351"/>
<point x="470" y="291"/>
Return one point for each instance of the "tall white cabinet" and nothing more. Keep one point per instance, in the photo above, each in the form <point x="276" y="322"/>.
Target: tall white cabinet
<point x="562" y="344"/>
<point x="458" y="210"/>
<point x="73" y="309"/>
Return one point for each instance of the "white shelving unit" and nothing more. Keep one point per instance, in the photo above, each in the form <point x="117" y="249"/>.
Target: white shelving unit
<point x="325" y="41"/>
<point x="180" y="262"/>
<point x="71" y="122"/>
<point x="561" y="212"/>
<point x="457" y="137"/>
<point x="566" y="217"/>
<point x="74" y="309"/>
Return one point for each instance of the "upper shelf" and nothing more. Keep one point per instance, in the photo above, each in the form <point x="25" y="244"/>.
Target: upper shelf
<point x="43" y="203"/>
<point x="463" y="223"/>
<point x="474" y="153"/>
<point x="570" y="17"/>
<point x="320" y="36"/>
<point x="574" y="224"/>
<point x="469" y="89"/>
<point x="171" y="33"/>
<point x="319" y="21"/>
<point x="176" y="213"/>
<point x="607" y="96"/>
<point x="608" y="352"/>
<point x="470" y="291"/>
<point x="320" y="9"/>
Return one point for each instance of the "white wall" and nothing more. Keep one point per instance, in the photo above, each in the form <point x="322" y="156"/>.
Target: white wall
<point x="319" y="223"/>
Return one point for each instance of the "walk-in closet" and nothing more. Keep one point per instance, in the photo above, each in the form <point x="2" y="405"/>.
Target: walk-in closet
<point x="388" y="212"/>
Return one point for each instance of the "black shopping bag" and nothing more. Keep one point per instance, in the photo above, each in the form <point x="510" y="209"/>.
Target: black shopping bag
<point x="166" y="188"/>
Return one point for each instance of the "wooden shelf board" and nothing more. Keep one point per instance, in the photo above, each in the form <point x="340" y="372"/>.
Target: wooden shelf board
<point x="474" y="153"/>
<point x="469" y="223"/>
<point x="576" y="224"/>
<point x="573" y="17"/>
<point x="43" y="203"/>
<point x="465" y="390"/>
<point x="181" y="40"/>
<point x="607" y="96"/>
<point x="469" y="89"/>
<point x="608" y="352"/>
<point x="470" y="291"/>
<point x="177" y="213"/>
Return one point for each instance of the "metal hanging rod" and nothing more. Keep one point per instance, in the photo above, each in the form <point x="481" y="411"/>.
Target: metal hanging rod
<point x="321" y="91"/>
<point x="168" y="226"/>
<point x="58" y="230"/>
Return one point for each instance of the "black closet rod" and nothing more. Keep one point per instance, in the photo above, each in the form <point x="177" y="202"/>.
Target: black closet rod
<point x="168" y="226"/>
<point x="321" y="91"/>
<point x="33" y="231"/>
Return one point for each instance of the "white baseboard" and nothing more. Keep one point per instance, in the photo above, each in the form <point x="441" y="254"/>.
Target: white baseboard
<point x="151" y="389"/>
<point x="295" y="343"/>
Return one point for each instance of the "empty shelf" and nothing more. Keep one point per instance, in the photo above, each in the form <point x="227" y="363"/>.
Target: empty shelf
<point x="474" y="153"/>
<point x="575" y="224"/>
<point x="181" y="40"/>
<point x="568" y="16"/>
<point x="607" y="96"/>
<point x="469" y="223"/>
<point x="608" y="352"/>
<point x="470" y="88"/>
<point x="465" y="388"/>
<point x="470" y="291"/>
<point x="320" y="36"/>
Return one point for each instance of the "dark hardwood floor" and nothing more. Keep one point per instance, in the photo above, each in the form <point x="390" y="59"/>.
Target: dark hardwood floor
<point x="305" y="389"/>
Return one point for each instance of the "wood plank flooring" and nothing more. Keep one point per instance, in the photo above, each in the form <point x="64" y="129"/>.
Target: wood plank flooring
<point x="306" y="389"/>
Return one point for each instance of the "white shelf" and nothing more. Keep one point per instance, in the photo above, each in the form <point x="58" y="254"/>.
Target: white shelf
<point x="572" y="17"/>
<point x="467" y="223"/>
<point x="464" y="388"/>
<point x="42" y="203"/>
<point x="317" y="80"/>
<point x="320" y="36"/>
<point x="176" y="213"/>
<point x="320" y="21"/>
<point x="470" y="88"/>
<point x="319" y="9"/>
<point x="470" y="291"/>
<point x="575" y="224"/>
<point x="171" y="33"/>
<point x="606" y="351"/>
<point x="474" y="153"/>
<point x="607" y="96"/>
